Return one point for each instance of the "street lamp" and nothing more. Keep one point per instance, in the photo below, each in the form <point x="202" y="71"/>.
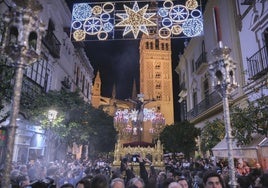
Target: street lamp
<point x="223" y="80"/>
<point x="21" y="44"/>
<point x="222" y="71"/>
<point x="52" y="114"/>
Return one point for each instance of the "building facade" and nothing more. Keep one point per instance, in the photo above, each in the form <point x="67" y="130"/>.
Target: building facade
<point x="64" y="65"/>
<point x="244" y="30"/>
<point x="199" y="100"/>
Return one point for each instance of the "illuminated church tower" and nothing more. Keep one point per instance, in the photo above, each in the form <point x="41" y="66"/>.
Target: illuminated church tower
<point x="96" y="91"/>
<point x="156" y="74"/>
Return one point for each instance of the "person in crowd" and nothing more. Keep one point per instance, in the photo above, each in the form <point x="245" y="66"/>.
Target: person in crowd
<point x="242" y="168"/>
<point x="125" y="170"/>
<point x="183" y="182"/>
<point x="212" y="179"/>
<point x="85" y="182"/>
<point x="174" y="185"/>
<point x="67" y="185"/>
<point x="99" y="181"/>
<point x="152" y="177"/>
<point x="23" y="169"/>
<point x="117" y="183"/>
<point x="168" y="181"/>
<point x="161" y="179"/>
<point x="264" y="180"/>
<point x="135" y="182"/>
<point x="143" y="171"/>
<point x="197" y="181"/>
<point x="23" y="180"/>
<point x="244" y="181"/>
<point x="67" y="178"/>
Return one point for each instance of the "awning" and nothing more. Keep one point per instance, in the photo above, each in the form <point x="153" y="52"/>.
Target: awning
<point x="247" y="151"/>
<point x="264" y="148"/>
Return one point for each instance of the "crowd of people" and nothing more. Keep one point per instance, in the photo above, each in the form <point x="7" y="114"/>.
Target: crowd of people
<point x="177" y="173"/>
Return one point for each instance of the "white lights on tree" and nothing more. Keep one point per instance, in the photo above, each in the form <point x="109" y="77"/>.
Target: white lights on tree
<point x="126" y="20"/>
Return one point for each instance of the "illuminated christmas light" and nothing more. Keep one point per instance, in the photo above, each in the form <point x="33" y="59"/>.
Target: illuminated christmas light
<point x="135" y="20"/>
<point x="192" y="27"/>
<point x="179" y="13"/>
<point x="191" y="4"/>
<point x="79" y="35"/>
<point x="126" y="20"/>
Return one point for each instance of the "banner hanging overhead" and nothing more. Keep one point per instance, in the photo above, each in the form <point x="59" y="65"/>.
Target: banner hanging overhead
<point x="123" y="20"/>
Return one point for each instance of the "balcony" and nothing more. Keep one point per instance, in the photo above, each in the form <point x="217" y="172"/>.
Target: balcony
<point x="247" y="2"/>
<point x="258" y="64"/>
<point x="201" y="63"/>
<point x="183" y="90"/>
<point x="30" y="88"/>
<point x="52" y="44"/>
<point x="210" y="101"/>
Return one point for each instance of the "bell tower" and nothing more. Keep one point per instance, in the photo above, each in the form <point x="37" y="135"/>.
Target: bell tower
<point x="156" y="74"/>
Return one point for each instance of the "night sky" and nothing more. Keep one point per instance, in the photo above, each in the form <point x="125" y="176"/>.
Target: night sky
<point x="118" y="63"/>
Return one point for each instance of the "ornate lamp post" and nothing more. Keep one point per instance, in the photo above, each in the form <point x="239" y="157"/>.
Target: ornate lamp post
<point x="21" y="44"/>
<point x="222" y="71"/>
<point x="223" y="80"/>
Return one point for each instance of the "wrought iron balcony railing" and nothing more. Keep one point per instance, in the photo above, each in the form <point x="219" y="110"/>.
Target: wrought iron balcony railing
<point x="30" y="88"/>
<point x="52" y="44"/>
<point x="210" y="101"/>
<point x="258" y="64"/>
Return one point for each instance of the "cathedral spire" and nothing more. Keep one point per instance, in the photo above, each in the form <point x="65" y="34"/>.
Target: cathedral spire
<point x="134" y="89"/>
<point x="114" y="91"/>
<point x="96" y="91"/>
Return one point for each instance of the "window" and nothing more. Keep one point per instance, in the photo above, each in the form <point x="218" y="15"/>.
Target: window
<point x="158" y="96"/>
<point x="206" y="90"/>
<point x="88" y="90"/>
<point x="32" y="40"/>
<point x="77" y="76"/>
<point x="193" y="66"/>
<point x="38" y="72"/>
<point x="13" y="36"/>
<point x="158" y="75"/>
<point x="194" y="98"/>
<point x="167" y="46"/>
<point x="157" y="44"/>
<point x="158" y="85"/>
<point x="147" y="45"/>
<point x="83" y="83"/>
<point x="157" y="66"/>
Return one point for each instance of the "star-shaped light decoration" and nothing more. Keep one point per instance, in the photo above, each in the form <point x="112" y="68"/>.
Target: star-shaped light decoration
<point x="135" y="20"/>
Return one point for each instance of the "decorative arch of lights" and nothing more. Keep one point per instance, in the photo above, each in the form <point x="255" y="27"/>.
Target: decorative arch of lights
<point x="129" y="20"/>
